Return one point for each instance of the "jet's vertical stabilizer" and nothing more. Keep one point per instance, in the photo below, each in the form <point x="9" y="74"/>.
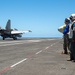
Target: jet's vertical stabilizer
<point x="8" y="25"/>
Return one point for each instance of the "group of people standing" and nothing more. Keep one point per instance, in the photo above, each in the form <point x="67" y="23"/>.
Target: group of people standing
<point x="69" y="37"/>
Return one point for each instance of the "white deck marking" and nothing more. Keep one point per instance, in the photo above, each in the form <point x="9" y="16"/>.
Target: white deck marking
<point x="39" y="52"/>
<point x="17" y="42"/>
<point x="47" y="47"/>
<point x="19" y="62"/>
<point x="51" y="45"/>
<point x="20" y="41"/>
<point x="12" y="44"/>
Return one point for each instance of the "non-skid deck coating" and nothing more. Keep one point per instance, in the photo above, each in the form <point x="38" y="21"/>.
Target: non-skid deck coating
<point x="34" y="57"/>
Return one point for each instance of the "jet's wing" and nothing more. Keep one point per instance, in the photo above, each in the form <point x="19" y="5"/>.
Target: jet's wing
<point x="20" y="32"/>
<point x="61" y="29"/>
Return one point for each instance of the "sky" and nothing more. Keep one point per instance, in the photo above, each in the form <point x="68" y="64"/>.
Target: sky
<point x="42" y="17"/>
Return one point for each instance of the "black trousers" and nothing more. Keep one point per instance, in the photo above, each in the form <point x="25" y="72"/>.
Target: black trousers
<point x="66" y="43"/>
<point x="72" y="51"/>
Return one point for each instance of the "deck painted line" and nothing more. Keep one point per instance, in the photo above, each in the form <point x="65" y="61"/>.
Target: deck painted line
<point x="39" y="52"/>
<point x="6" y="69"/>
<point x="46" y="47"/>
<point x="18" y="42"/>
<point x="11" y="44"/>
<point x="51" y="45"/>
<point x="18" y="63"/>
<point x="5" y="42"/>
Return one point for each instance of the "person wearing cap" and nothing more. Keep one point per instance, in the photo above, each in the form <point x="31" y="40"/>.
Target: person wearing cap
<point x="72" y="37"/>
<point x="65" y="36"/>
<point x="64" y="30"/>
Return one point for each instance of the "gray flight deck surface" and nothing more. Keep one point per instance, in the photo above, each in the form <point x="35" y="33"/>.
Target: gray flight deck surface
<point x="34" y="57"/>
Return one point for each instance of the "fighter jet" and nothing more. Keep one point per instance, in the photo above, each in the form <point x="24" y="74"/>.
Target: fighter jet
<point x="11" y="33"/>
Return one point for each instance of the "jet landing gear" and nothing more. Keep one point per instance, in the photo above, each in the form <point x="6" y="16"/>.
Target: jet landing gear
<point x="3" y="38"/>
<point x="14" y="38"/>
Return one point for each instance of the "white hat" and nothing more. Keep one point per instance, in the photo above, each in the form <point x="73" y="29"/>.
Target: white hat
<point x="72" y="16"/>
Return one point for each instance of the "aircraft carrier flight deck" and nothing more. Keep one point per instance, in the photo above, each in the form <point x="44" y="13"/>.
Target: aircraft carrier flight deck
<point x="34" y="57"/>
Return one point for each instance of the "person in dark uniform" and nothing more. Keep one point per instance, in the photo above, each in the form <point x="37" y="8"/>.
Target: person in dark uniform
<point x="72" y="35"/>
<point x="66" y="36"/>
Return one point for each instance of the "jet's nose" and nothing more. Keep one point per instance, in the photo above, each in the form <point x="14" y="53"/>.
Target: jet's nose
<point x="30" y="31"/>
